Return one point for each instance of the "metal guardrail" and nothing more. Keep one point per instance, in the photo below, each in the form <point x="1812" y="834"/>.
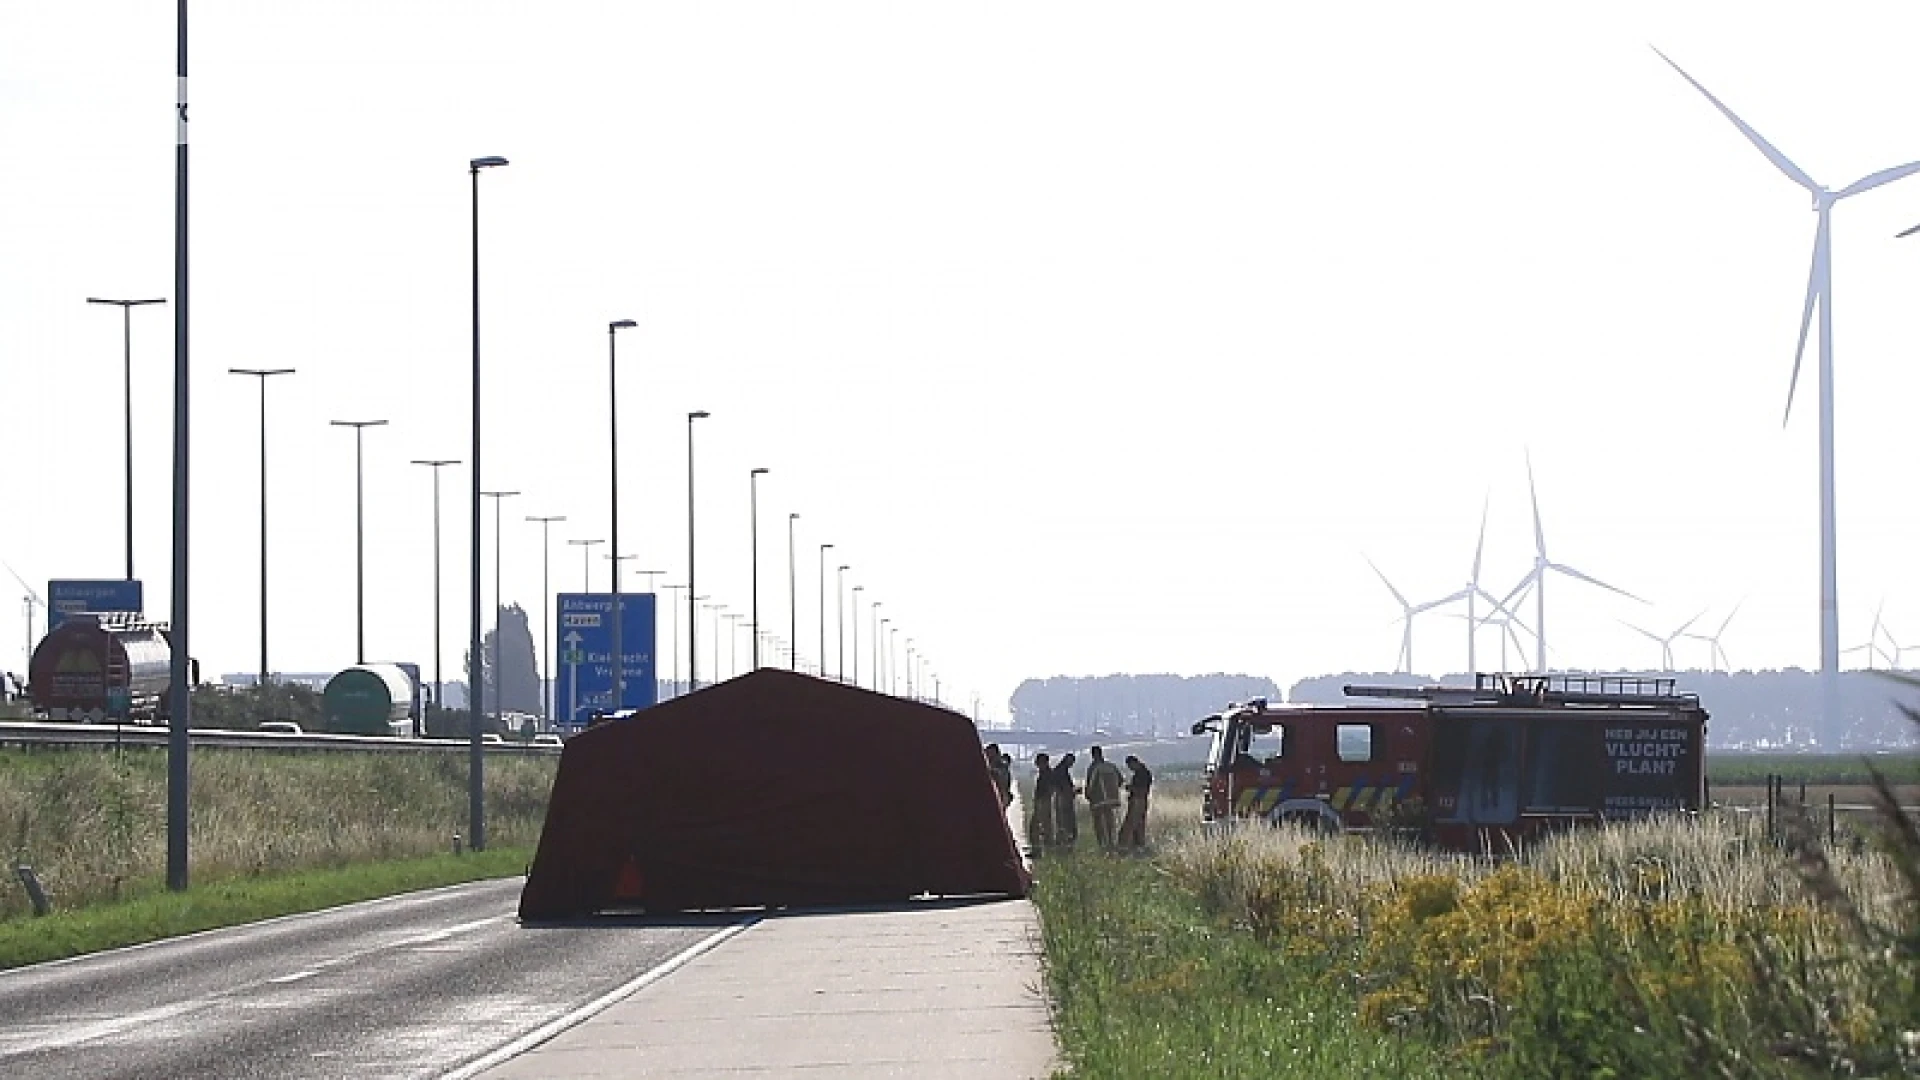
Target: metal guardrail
<point x="70" y="734"/>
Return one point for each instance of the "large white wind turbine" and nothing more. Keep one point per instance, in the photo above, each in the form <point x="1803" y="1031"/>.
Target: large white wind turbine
<point x="1666" y="643"/>
<point x="1717" y="656"/>
<point x="1536" y="578"/>
<point x="1819" y="294"/>
<point x="1473" y="591"/>
<point x="1407" y="612"/>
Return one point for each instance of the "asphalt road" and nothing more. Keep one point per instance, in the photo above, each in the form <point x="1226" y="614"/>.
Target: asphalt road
<point x="412" y="986"/>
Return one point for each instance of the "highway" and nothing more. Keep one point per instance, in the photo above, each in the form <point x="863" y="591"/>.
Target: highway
<point x="413" y="986"/>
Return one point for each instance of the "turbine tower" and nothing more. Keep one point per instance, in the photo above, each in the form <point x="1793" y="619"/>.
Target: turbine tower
<point x="1819" y="294"/>
<point x="1536" y="578"/>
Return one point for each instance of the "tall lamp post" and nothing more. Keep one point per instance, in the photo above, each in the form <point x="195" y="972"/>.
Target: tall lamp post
<point x="179" y="690"/>
<point x="673" y="644"/>
<point x="857" y="589"/>
<point x="878" y="623"/>
<point x="261" y="374"/>
<point x="546" y="631"/>
<point x="476" y="761"/>
<point x="499" y="675"/>
<point x="719" y="614"/>
<point x="613" y="499"/>
<point x="126" y="333"/>
<point x="793" y="602"/>
<point x="359" y="537"/>
<point x="753" y="481"/>
<point x="824" y="548"/>
<point x="733" y="644"/>
<point x="586" y="562"/>
<point x="693" y="654"/>
<point x="840" y="630"/>
<point x="439" y="687"/>
<point x="883" y="658"/>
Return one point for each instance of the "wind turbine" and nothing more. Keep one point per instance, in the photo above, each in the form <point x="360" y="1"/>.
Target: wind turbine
<point x="29" y="601"/>
<point x="1717" y="656"/>
<point x="1536" y="578"/>
<point x="1666" y="643"/>
<point x="1506" y="621"/>
<point x="1407" y="612"/>
<point x="1473" y="591"/>
<point x="1819" y="294"/>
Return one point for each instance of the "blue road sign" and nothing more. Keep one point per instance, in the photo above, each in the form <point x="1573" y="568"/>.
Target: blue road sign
<point x="583" y="645"/>
<point x="66" y="597"/>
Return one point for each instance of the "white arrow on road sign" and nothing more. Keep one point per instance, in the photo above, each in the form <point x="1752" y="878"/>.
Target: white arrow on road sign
<point x="573" y="676"/>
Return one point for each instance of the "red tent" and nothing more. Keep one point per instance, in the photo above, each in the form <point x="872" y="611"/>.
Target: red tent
<point x="773" y="789"/>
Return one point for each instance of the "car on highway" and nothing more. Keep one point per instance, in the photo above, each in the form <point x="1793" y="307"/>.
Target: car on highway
<point x="547" y="738"/>
<point x="281" y="727"/>
<point x="492" y="739"/>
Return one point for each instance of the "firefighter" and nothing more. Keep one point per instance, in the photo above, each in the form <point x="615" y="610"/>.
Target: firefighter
<point x="1133" y="831"/>
<point x="1103" y="797"/>
<point x="1066" y="821"/>
<point x="1002" y="776"/>
<point x="1040" y="817"/>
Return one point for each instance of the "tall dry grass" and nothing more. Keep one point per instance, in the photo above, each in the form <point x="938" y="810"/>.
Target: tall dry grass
<point x="93" y="824"/>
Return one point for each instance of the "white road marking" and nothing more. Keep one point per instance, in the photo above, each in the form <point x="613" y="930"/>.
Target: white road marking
<point x="62" y="1036"/>
<point x="598" y="1005"/>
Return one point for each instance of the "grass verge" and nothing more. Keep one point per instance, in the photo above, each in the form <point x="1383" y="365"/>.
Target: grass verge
<point x="1144" y="985"/>
<point x="232" y="902"/>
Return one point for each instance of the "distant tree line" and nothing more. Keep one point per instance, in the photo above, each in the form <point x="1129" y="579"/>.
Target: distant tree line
<point x="1156" y="705"/>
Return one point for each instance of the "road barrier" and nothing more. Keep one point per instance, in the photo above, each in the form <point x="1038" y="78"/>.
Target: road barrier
<point x="67" y="734"/>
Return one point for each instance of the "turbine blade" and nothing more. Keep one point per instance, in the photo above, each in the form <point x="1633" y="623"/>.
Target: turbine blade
<point x="1685" y="626"/>
<point x="1591" y="580"/>
<point x="1728" y="619"/>
<point x="1874" y="180"/>
<point x="1779" y="159"/>
<point x="1806" y="313"/>
<point x="1539" y="536"/>
<point x="1518" y="591"/>
<point x="1648" y="634"/>
<point x="1442" y="602"/>
<point x="1481" y="545"/>
<point x="1383" y="580"/>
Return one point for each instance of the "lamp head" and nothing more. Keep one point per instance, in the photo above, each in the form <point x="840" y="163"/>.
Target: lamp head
<point x="621" y="324"/>
<point x="486" y="163"/>
<point x="758" y="472"/>
<point x="793" y="516"/>
<point x="699" y="414"/>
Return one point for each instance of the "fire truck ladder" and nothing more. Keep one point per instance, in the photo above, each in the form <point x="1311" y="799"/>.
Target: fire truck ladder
<point x="1543" y="690"/>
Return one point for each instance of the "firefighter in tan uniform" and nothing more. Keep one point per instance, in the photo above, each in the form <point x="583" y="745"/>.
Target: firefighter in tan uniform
<point x="1103" y="798"/>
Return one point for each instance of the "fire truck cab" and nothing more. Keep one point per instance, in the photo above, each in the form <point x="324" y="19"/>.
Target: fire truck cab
<point x="1469" y="768"/>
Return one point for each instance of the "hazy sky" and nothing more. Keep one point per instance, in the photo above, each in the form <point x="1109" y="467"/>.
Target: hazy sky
<point x="1096" y="337"/>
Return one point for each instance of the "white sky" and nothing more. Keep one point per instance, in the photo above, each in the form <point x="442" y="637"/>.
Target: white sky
<point x="1097" y="337"/>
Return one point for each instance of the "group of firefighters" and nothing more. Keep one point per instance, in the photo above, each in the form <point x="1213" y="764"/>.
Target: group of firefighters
<point x="1054" y="820"/>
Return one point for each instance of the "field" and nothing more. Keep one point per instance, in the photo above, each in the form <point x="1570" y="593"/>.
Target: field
<point x="92" y="824"/>
<point x="1661" y="949"/>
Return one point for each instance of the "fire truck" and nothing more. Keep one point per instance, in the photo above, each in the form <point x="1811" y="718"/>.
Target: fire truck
<point x="1477" y="768"/>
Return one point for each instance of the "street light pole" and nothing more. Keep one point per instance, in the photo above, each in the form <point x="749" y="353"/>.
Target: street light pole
<point x="882" y="657"/>
<point x="673" y="645"/>
<point x="476" y="760"/>
<point x="179" y="689"/>
<point x="824" y="548"/>
<point x="499" y="676"/>
<point x="439" y="687"/>
<point x="613" y="501"/>
<point x="733" y="643"/>
<point x="126" y="332"/>
<point x="874" y="614"/>
<point x="856" y="633"/>
<point x="719" y="613"/>
<point x="359" y="537"/>
<point x="793" y="603"/>
<point x="840" y="630"/>
<point x="546" y="630"/>
<point x="261" y="374"/>
<point x="693" y="654"/>
<point x="586" y="562"/>
<point x="753" y="481"/>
